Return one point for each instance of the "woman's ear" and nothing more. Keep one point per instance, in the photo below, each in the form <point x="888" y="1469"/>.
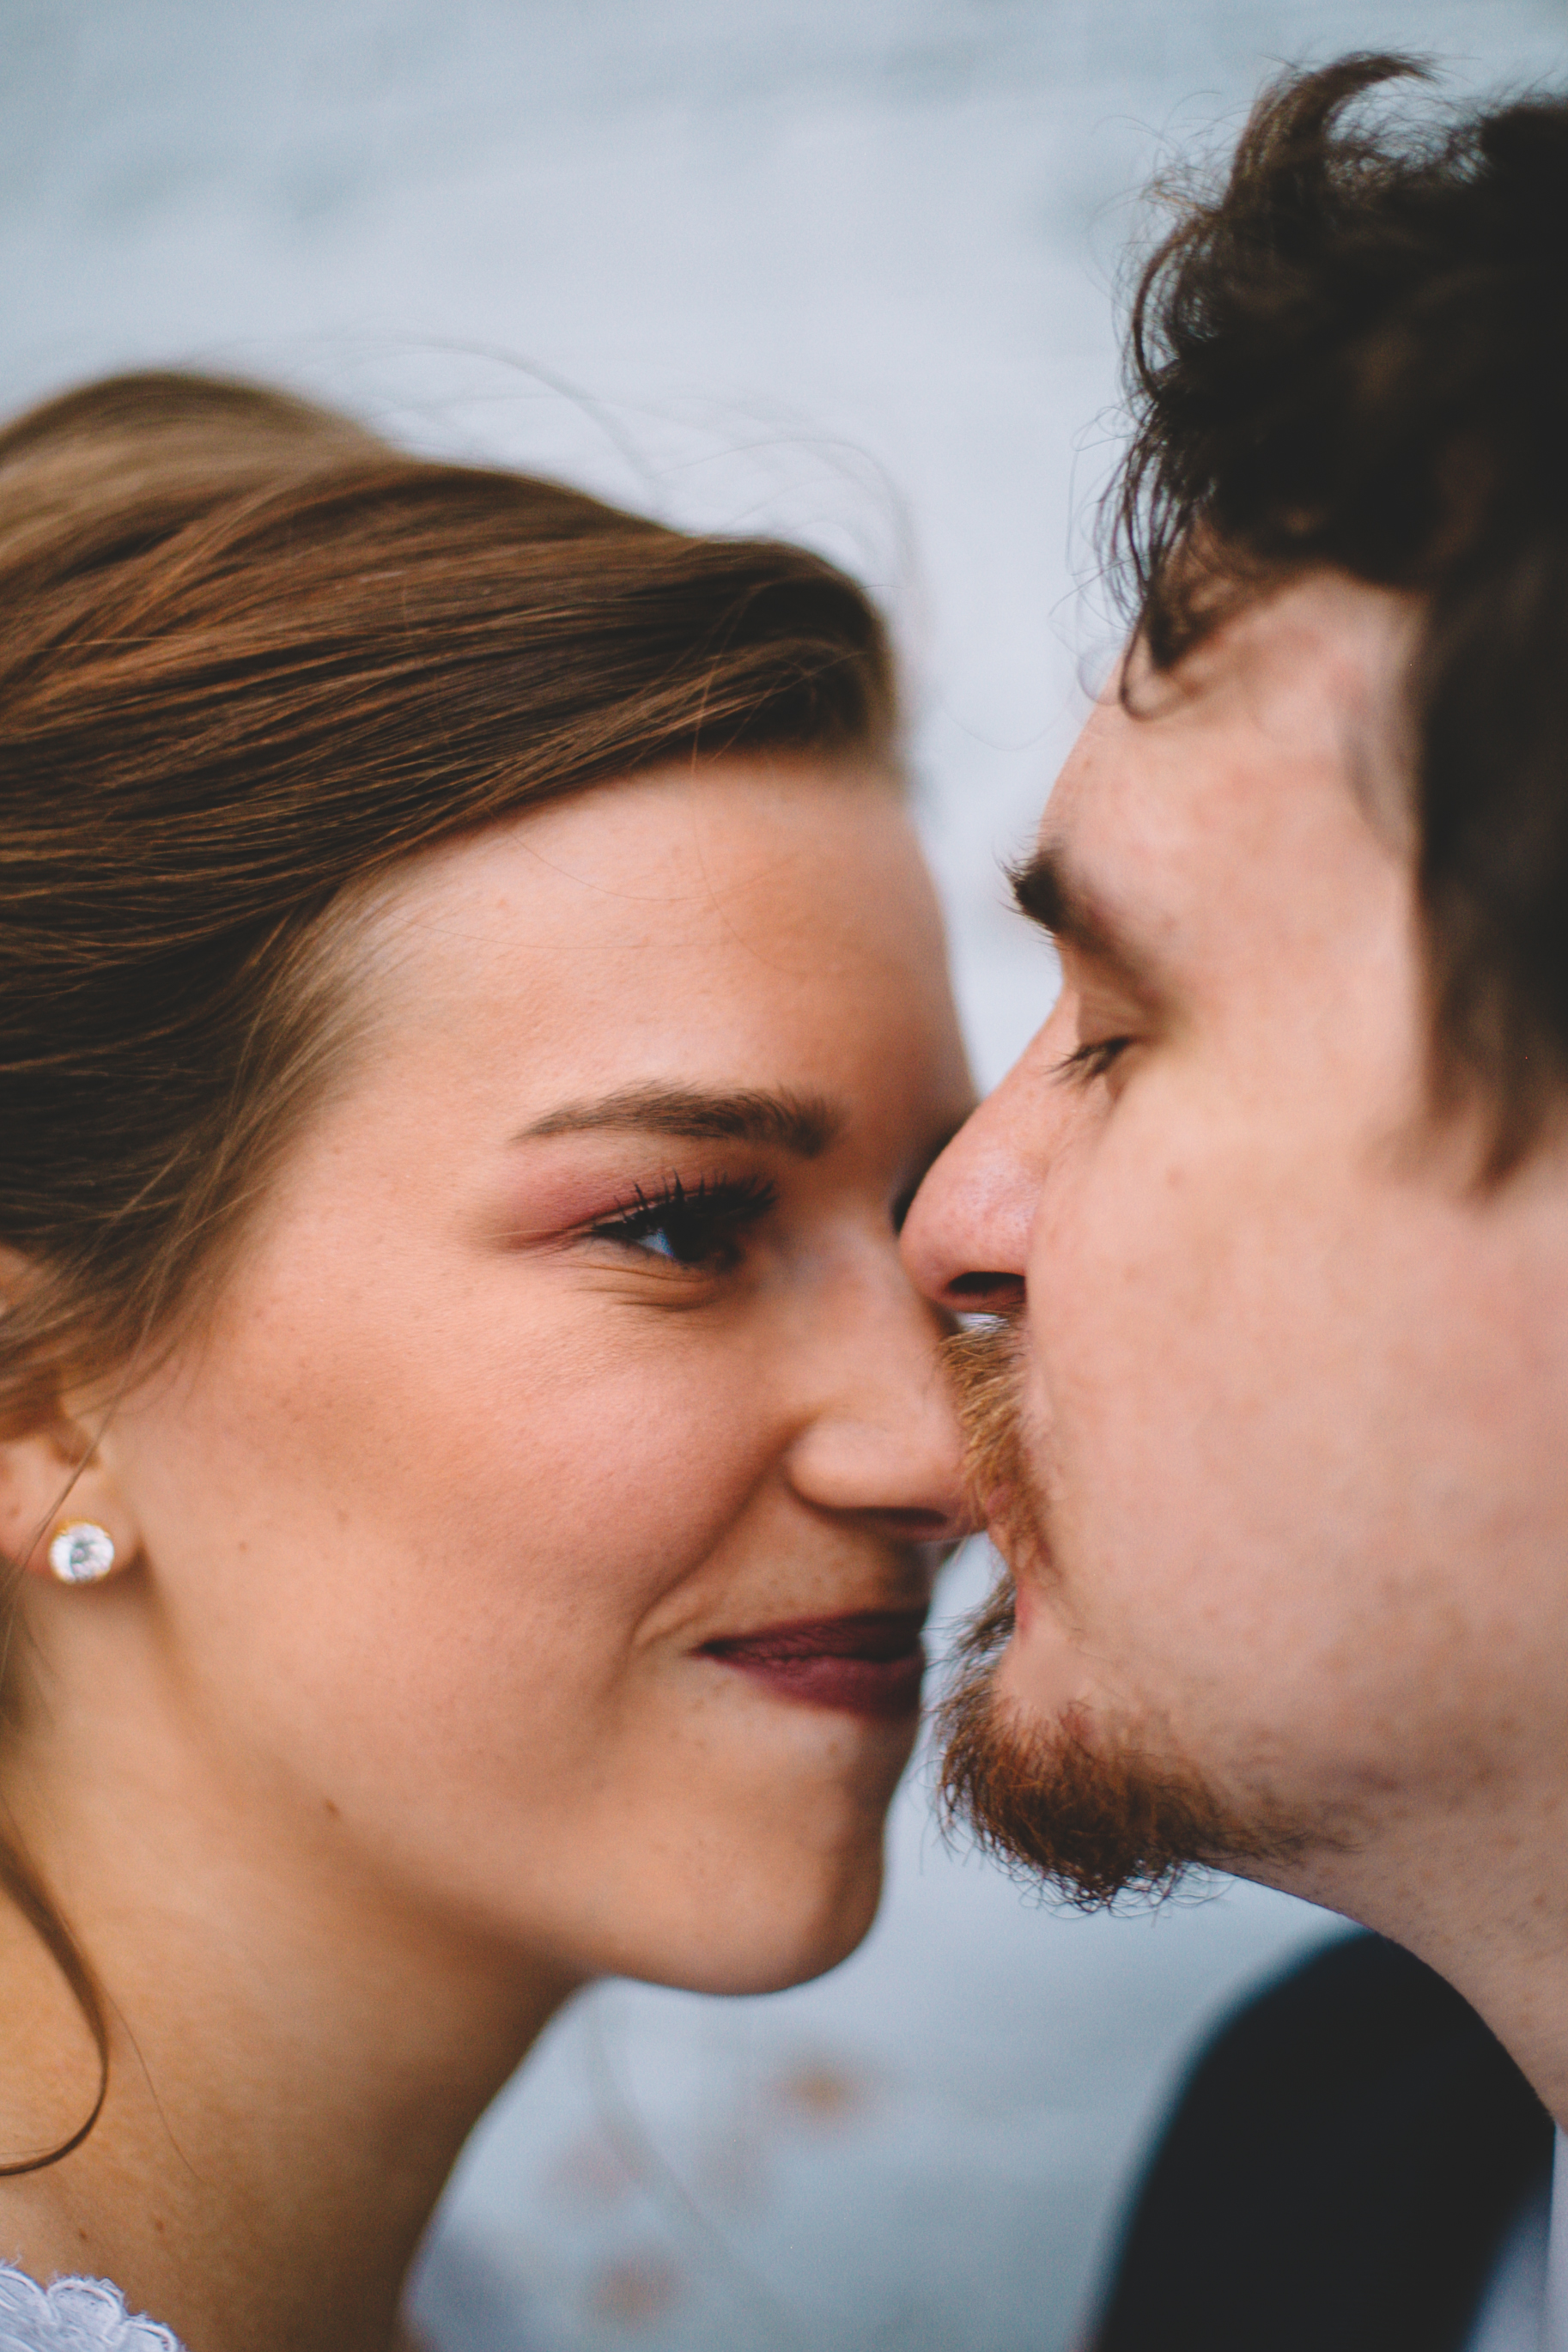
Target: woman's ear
<point x="55" y="1476"/>
<point x="61" y="1511"/>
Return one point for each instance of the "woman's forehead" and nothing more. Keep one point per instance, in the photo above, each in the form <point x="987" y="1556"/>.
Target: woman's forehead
<point x="769" y="930"/>
<point x="725" y="864"/>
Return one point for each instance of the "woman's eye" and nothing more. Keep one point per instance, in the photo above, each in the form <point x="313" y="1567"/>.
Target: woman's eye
<point x="700" y="1230"/>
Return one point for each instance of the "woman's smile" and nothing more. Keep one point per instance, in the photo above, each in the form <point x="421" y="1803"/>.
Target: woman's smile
<point x="870" y="1662"/>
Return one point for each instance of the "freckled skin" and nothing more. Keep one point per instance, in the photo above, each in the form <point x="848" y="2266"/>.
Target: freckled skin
<point x="397" y="1728"/>
<point x="1296" y="1393"/>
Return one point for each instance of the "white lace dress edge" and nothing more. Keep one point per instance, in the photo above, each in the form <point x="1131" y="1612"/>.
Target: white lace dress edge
<point x="73" y="2314"/>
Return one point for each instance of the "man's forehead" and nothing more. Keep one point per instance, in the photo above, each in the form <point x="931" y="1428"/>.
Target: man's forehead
<point x="1311" y="677"/>
<point x="1321" y="632"/>
<point x="1095" y="880"/>
<point x="1241" y="776"/>
<point x="1115" y="816"/>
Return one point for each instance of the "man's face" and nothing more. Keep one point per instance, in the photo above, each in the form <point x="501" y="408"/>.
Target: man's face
<point x="1281" y="1469"/>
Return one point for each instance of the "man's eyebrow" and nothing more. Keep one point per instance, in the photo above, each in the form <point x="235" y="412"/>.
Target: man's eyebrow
<point x="804" y="1125"/>
<point x="1047" y="889"/>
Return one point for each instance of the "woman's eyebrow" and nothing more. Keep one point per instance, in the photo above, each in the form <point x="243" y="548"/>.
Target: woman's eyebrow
<point x="804" y="1125"/>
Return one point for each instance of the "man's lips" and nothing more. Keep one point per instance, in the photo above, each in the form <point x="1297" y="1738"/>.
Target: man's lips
<point x="866" y="1664"/>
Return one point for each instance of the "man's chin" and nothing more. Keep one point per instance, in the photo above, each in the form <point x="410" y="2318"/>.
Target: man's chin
<point x="1056" y="1799"/>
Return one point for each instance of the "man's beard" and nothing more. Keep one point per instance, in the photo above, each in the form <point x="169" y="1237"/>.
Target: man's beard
<point x="1062" y="1802"/>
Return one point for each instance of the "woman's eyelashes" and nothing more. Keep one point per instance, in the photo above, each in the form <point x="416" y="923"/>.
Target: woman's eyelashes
<point x="699" y="1228"/>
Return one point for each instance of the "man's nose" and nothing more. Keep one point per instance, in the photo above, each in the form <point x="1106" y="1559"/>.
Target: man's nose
<point x="966" y="1239"/>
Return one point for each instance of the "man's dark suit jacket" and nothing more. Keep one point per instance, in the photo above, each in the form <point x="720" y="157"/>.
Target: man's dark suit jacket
<point x="1339" y="2174"/>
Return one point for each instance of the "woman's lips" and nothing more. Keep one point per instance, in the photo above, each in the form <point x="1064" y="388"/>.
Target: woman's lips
<point x="868" y="1663"/>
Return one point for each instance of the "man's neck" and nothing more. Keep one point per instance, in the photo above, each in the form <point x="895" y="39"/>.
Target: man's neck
<point x="1480" y="1894"/>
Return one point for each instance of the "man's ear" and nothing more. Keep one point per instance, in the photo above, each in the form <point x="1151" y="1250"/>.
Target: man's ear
<point x="54" y="1473"/>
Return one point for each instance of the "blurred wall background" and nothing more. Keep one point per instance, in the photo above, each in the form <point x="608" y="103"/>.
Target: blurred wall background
<point x="843" y="269"/>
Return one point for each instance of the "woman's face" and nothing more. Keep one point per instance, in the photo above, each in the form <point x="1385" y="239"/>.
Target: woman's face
<point x="566" y="1362"/>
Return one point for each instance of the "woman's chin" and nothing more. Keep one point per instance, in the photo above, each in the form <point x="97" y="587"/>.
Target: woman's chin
<point x="774" y="1961"/>
<point x="762" y="1941"/>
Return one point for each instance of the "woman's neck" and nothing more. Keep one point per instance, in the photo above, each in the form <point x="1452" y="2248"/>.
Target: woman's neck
<point x="294" y="2067"/>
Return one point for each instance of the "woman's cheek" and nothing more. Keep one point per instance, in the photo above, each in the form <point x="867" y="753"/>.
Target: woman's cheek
<point x="616" y="1456"/>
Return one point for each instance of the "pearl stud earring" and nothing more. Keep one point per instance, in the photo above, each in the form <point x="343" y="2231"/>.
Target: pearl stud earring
<point x="80" y="1553"/>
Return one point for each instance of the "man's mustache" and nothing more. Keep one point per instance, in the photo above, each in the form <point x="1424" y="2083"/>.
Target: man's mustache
<point x="986" y="1367"/>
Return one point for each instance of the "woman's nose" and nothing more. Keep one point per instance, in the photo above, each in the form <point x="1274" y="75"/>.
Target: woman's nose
<point x="883" y="1444"/>
<point x="965" y="1241"/>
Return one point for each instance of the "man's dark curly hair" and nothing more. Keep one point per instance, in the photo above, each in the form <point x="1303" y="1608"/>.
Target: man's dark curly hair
<point x="1355" y="356"/>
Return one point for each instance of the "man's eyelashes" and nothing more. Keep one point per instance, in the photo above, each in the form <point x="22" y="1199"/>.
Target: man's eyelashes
<point x="1092" y="1060"/>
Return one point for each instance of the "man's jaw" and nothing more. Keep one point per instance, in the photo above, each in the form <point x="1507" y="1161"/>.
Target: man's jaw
<point x="1060" y="1800"/>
